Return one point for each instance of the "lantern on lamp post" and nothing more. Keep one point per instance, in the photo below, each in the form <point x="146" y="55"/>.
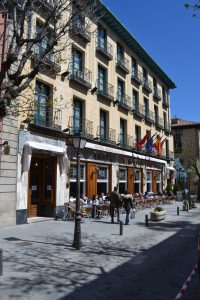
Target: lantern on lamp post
<point x="79" y="142"/>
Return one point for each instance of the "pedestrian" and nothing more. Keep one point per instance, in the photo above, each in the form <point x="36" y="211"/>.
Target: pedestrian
<point x="115" y="203"/>
<point x="127" y="201"/>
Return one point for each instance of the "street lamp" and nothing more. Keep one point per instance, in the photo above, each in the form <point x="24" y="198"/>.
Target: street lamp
<point x="189" y="170"/>
<point x="79" y="142"/>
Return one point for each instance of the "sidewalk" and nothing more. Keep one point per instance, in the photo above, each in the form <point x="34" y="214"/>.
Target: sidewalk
<point x="39" y="262"/>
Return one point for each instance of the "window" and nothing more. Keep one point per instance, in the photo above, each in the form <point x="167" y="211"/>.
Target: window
<point x="73" y="176"/>
<point x="78" y="16"/>
<point x="149" y="181"/>
<point x="177" y="142"/>
<point x="102" y="180"/>
<point x="102" y="125"/>
<point x="77" y="61"/>
<point x="120" y="52"/>
<point x="137" y="181"/>
<point x="158" y="182"/>
<point x="122" y="180"/>
<point x="146" y="107"/>
<point x="42" y="46"/>
<point x="144" y="74"/>
<point x="154" y="85"/>
<point x="134" y="67"/>
<point x="165" y="120"/>
<point x="122" y="132"/>
<point x="102" y="37"/>
<point x="163" y="94"/>
<point x="77" y="115"/>
<point x="120" y="88"/>
<point x="42" y="94"/>
<point x="137" y="133"/>
<point x="135" y="100"/>
<point x="101" y="79"/>
<point x="156" y="113"/>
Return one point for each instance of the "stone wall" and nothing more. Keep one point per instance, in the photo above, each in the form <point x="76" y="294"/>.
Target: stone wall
<point x="8" y="173"/>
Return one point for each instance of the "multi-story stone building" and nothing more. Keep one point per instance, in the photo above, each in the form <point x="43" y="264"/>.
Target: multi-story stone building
<point x="115" y="93"/>
<point x="186" y="151"/>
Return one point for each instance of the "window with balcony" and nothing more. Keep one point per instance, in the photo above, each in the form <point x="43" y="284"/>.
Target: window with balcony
<point x="122" y="139"/>
<point x="78" y="72"/>
<point x="156" y="91"/>
<point x="136" y="75"/>
<point x="146" y="107"/>
<point x="103" y="125"/>
<point x="147" y="85"/>
<point x="121" y="61"/>
<point x="42" y="101"/>
<point x="156" y="114"/>
<point x="102" y="75"/>
<point x="120" y="90"/>
<point x="102" y="44"/>
<point x="137" y="133"/>
<point x="135" y="100"/>
<point x="79" y="26"/>
<point x="77" y="116"/>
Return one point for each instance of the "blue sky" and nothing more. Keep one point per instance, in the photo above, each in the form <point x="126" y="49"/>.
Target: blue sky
<point x="171" y="36"/>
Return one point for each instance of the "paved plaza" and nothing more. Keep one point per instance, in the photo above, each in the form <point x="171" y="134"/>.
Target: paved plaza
<point x="39" y="262"/>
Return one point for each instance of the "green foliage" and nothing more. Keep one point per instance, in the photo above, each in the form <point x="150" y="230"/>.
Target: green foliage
<point x="169" y="187"/>
<point x="158" y="209"/>
<point x="176" y="188"/>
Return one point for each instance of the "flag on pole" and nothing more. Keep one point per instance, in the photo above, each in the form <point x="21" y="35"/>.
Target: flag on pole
<point x="149" y="145"/>
<point x="157" y="149"/>
<point x="161" y="146"/>
<point x="142" y="142"/>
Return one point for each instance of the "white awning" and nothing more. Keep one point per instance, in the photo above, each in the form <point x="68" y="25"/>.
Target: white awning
<point x="122" y="152"/>
<point x="46" y="147"/>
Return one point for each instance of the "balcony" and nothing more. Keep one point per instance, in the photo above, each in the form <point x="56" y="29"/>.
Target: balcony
<point x="159" y="123"/>
<point x="149" y="117"/>
<point x="47" y="117"/>
<point x="123" y="64"/>
<point x="83" y="76"/>
<point x="123" y="101"/>
<point x="105" y="90"/>
<point x="106" y="135"/>
<point x="165" y="101"/>
<point x="127" y="142"/>
<point x="157" y="94"/>
<point x="82" y="30"/>
<point x="138" y="110"/>
<point x="105" y="48"/>
<point x="147" y="85"/>
<point x="136" y="76"/>
<point x="167" y="127"/>
<point x="76" y="125"/>
<point x="45" y="4"/>
<point x="50" y="59"/>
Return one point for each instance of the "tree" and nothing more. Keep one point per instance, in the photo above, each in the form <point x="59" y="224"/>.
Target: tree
<point x="195" y="7"/>
<point x="196" y="165"/>
<point x="24" y="44"/>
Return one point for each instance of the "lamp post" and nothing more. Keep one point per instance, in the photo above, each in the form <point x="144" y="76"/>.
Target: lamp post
<point x="189" y="170"/>
<point x="79" y="142"/>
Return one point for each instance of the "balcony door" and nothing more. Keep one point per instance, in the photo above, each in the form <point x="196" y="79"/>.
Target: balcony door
<point x="101" y="79"/>
<point x="102" y="125"/>
<point x="77" y="116"/>
<point x="102" y="37"/>
<point x="77" y="60"/>
<point x="42" y="186"/>
<point x="42" y="94"/>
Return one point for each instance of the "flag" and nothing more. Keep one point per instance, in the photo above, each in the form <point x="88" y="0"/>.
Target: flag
<point x="149" y="145"/>
<point x="142" y="142"/>
<point x="157" y="149"/>
<point x="161" y="147"/>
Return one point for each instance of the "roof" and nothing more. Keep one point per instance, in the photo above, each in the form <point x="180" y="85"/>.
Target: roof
<point x="127" y="37"/>
<point x="181" y="123"/>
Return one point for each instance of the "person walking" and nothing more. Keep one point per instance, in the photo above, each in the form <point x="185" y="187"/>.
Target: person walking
<point x="127" y="201"/>
<point x="115" y="203"/>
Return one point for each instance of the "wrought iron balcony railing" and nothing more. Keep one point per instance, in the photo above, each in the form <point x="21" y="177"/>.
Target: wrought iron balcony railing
<point x="165" y="101"/>
<point x="126" y="142"/>
<point x="81" y="29"/>
<point x="106" y="135"/>
<point x="79" y="124"/>
<point x="105" y="90"/>
<point x="157" y="94"/>
<point x="104" y="48"/>
<point x="124" y="101"/>
<point x="138" y="110"/>
<point x="159" y="122"/>
<point x="147" y="85"/>
<point x="136" y="75"/>
<point x="82" y="76"/>
<point x="47" y="116"/>
<point x="50" y="59"/>
<point x="122" y="63"/>
<point x="149" y="116"/>
<point x="167" y="127"/>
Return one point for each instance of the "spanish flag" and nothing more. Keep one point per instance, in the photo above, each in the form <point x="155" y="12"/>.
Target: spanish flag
<point x="157" y="146"/>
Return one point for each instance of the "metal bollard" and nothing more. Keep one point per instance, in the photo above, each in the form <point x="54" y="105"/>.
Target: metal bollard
<point x="187" y="207"/>
<point x="177" y="211"/>
<point x="1" y="262"/>
<point x="120" y="228"/>
<point x="146" y="221"/>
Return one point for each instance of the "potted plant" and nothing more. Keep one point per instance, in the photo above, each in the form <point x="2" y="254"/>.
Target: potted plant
<point x="158" y="214"/>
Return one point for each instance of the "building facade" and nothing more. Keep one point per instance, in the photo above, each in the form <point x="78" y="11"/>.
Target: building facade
<point x="186" y="150"/>
<point x="110" y="89"/>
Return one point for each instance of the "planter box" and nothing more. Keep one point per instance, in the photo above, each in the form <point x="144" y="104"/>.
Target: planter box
<point x="157" y="216"/>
